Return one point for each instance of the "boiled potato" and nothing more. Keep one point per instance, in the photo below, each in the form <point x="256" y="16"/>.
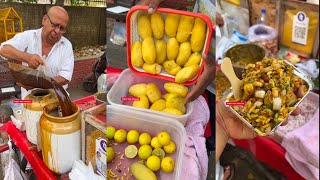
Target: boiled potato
<point x="179" y="89"/>
<point x="142" y="103"/>
<point x="152" y="68"/>
<point x="172" y="49"/>
<point x="153" y="92"/>
<point x="136" y="54"/>
<point x="172" y="111"/>
<point x="171" y="24"/>
<point x="195" y="58"/>
<point x="138" y="90"/>
<point x="144" y="27"/>
<point x="176" y="101"/>
<point x="198" y="35"/>
<point x="157" y="25"/>
<point x="184" y="53"/>
<point x="148" y="50"/>
<point x="187" y="73"/>
<point x="161" y="50"/>
<point x="171" y="67"/>
<point x="184" y="28"/>
<point x="159" y="105"/>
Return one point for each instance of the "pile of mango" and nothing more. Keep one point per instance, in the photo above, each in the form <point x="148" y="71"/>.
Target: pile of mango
<point x="180" y="55"/>
<point x="150" y="96"/>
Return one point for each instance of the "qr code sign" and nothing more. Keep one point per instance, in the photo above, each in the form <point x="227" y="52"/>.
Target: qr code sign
<point x="300" y="28"/>
<point x="300" y="32"/>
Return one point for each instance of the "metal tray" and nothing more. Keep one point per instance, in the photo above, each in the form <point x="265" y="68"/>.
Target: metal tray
<point x="228" y="93"/>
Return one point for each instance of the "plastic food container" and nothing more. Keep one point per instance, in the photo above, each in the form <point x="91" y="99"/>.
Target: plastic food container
<point x="122" y="118"/>
<point x="298" y="73"/>
<point x="132" y="36"/>
<point x="121" y="87"/>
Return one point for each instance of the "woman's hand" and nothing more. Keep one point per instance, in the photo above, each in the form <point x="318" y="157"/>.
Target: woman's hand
<point x="153" y="4"/>
<point x="205" y="78"/>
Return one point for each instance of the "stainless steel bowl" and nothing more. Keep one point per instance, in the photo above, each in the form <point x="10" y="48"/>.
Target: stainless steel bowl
<point x="243" y="54"/>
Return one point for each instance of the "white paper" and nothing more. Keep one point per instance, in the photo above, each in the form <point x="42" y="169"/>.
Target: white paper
<point x="118" y="9"/>
<point x="8" y="89"/>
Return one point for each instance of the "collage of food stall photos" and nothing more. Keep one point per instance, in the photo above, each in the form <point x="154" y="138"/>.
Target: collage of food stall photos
<point x="159" y="89"/>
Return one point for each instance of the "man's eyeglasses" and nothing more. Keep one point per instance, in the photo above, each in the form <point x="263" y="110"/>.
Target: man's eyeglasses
<point x="54" y="25"/>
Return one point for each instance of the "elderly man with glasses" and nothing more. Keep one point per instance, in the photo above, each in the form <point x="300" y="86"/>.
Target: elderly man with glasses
<point x="44" y="46"/>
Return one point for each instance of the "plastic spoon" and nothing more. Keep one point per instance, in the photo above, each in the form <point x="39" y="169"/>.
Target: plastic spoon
<point x="227" y="69"/>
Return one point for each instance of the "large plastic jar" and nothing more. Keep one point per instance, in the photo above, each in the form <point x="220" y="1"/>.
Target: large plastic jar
<point x="60" y="138"/>
<point x="33" y="110"/>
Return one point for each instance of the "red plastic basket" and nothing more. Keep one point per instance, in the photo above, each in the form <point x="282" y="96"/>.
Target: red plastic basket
<point x="132" y="35"/>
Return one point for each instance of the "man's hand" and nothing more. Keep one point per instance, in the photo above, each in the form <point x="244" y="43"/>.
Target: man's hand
<point x="34" y="61"/>
<point x="205" y="79"/>
<point x="153" y="4"/>
<point x="24" y="86"/>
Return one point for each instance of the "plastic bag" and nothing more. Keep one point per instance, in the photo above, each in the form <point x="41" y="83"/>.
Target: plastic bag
<point x="30" y="77"/>
<point x="265" y="36"/>
<point x="12" y="170"/>
<point x="80" y="171"/>
<point x="118" y="34"/>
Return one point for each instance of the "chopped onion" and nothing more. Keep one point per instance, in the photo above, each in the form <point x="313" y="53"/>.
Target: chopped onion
<point x="258" y="103"/>
<point x="260" y="94"/>
<point x="276" y="103"/>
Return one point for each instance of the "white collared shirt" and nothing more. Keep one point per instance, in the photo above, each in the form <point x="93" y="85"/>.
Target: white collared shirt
<point x="60" y="59"/>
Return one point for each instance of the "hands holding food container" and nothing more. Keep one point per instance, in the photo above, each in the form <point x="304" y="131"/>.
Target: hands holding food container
<point x="270" y="90"/>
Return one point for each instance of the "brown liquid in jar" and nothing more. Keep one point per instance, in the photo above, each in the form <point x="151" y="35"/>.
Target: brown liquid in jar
<point x="37" y="79"/>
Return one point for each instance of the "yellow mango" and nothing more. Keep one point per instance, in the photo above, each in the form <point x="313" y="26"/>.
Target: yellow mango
<point x="161" y="50"/>
<point x="171" y="24"/>
<point x="171" y="67"/>
<point x="172" y="49"/>
<point x="187" y="73"/>
<point x="141" y="172"/>
<point x="153" y="92"/>
<point x="179" y="89"/>
<point x="159" y="105"/>
<point x="136" y="54"/>
<point x="144" y="27"/>
<point x="142" y="103"/>
<point x="149" y="50"/>
<point x="184" y="53"/>
<point x="175" y="101"/>
<point x="138" y="90"/>
<point x="198" y="35"/>
<point x="165" y="96"/>
<point x="172" y="111"/>
<point x="184" y="28"/>
<point x="195" y="58"/>
<point x="157" y="25"/>
<point x="152" y="68"/>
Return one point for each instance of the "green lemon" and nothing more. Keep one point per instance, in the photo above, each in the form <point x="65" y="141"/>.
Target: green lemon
<point x="110" y="132"/>
<point x="158" y="152"/>
<point x="153" y="163"/>
<point x="167" y="164"/>
<point x="155" y="143"/>
<point x="110" y="154"/>
<point x="170" y="148"/>
<point x="120" y="136"/>
<point x="144" y="139"/>
<point x="131" y="151"/>
<point x="133" y="136"/>
<point x="145" y="152"/>
<point x="164" y="138"/>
